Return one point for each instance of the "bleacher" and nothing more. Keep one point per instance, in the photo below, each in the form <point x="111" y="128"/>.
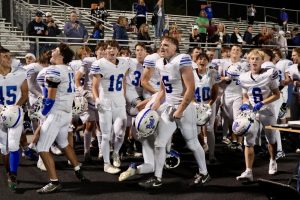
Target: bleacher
<point x="60" y="13"/>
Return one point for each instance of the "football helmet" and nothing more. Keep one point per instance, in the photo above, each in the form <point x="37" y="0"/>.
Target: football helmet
<point x="11" y="116"/>
<point x="146" y="122"/>
<point x="35" y="109"/>
<point x="204" y="113"/>
<point x="80" y="105"/>
<point x="172" y="159"/>
<point x="245" y="123"/>
<point x="233" y="71"/>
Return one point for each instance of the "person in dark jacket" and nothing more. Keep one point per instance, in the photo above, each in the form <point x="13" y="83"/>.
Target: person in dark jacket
<point x="120" y="32"/>
<point x="248" y="35"/>
<point x="141" y="13"/>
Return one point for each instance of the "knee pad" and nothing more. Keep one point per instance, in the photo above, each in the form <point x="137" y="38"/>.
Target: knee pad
<point x="106" y="137"/>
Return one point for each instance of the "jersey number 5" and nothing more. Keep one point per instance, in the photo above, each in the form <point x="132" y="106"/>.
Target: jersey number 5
<point x="168" y="86"/>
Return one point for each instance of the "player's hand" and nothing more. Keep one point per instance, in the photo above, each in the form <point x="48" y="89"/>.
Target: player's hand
<point x="258" y="106"/>
<point x="177" y="114"/>
<point x="155" y="105"/>
<point x="244" y="107"/>
<point x="98" y="105"/>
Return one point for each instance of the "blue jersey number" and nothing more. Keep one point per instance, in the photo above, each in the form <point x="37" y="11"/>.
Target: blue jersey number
<point x="71" y="87"/>
<point x="137" y="78"/>
<point x="168" y="86"/>
<point x="119" y="83"/>
<point x="10" y="94"/>
<point x="280" y="75"/>
<point x="205" y="94"/>
<point x="257" y="95"/>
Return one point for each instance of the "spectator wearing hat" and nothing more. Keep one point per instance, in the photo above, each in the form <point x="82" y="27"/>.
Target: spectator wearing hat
<point x="283" y="19"/>
<point x="75" y="29"/>
<point x="194" y="37"/>
<point x="53" y="31"/>
<point x="37" y="28"/>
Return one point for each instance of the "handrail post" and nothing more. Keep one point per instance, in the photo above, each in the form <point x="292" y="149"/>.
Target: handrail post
<point x="65" y="13"/>
<point x="37" y="52"/>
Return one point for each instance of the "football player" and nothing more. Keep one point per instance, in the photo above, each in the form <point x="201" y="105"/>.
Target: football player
<point x="13" y="91"/>
<point x="260" y="89"/>
<point x="109" y="79"/>
<point x="206" y="92"/>
<point x="177" y="87"/>
<point x="57" y="110"/>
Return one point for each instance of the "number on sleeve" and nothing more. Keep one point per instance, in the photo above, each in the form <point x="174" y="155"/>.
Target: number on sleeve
<point x="71" y="87"/>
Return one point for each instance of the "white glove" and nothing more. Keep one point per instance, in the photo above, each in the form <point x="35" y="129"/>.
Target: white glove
<point x="98" y="105"/>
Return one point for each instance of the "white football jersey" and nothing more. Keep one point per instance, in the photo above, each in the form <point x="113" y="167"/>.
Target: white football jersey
<point x="232" y="87"/>
<point x="294" y="72"/>
<point x="133" y="79"/>
<point x="150" y="62"/>
<point x="259" y="86"/>
<point x="10" y="85"/>
<point x="32" y="71"/>
<point x="204" y="83"/>
<point x="111" y="83"/>
<point x="75" y="65"/>
<point x="215" y="63"/>
<point x="282" y="67"/>
<point x="267" y="65"/>
<point x="171" y="77"/>
<point x="64" y="75"/>
<point x="85" y="69"/>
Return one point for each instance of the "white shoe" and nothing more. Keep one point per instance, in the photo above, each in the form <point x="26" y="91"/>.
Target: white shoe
<point x="246" y="176"/>
<point x="55" y="150"/>
<point x="128" y="173"/>
<point x="116" y="160"/>
<point x="40" y="165"/>
<point x="272" y="167"/>
<point x="108" y="168"/>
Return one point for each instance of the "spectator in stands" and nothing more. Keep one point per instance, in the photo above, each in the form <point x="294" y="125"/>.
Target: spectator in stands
<point x="98" y="31"/>
<point x="262" y="37"/>
<point x="37" y="28"/>
<point x="143" y="34"/>
<point x="296" y="37"/>
<point x="203" y="24"/>
<point x="101" y="12"/>
<point x="53" y="31"/>
<point x="251" y="14"/>
<point x="120" y="32"/>
<point x="174" y="32"/>
<point x="194" y="37"/>
<point x="236" y="37"/>
<point x="93" y="13"/>
<point x="211" y="31"/>
<point x="141" y="13"/>
<point x="248" y="35"/>
<point x="160" y="11"/>
<point x="283" y="19"/>
<point x="209" y="12"/>
<point x="166" y="32"/>
<point x="75" y="29"/>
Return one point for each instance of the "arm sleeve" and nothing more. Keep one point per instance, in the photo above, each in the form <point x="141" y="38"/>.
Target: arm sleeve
<point x="185" y="60"/>
<point x="52" y="77"/>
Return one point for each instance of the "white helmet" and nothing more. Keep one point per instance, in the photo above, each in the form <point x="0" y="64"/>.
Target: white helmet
<point x="146" y="122"/>
<point x="245" y="123"/>
<point x="203" y="113"/>
<point x="11" y="116"/>
<point x="80" y="105"/>
<point x="34" y="110"/>
<point x="172" y="159"/>
<point x="234" y="71"/>
<point x="131" y="107"/>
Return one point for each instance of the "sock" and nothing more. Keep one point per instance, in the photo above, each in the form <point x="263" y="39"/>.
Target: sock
<point x="54" y="181"/>
<point x="14" y="159"/>
<point x="87" y="141"/>
<point x="248" y="170"/>
<point x="99" y="138"/>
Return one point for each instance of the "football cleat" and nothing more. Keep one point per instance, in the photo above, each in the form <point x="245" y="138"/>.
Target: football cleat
<point x="246" y="176"/>
<point x="50" y="188"/>
<point x="151" y="183"/>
